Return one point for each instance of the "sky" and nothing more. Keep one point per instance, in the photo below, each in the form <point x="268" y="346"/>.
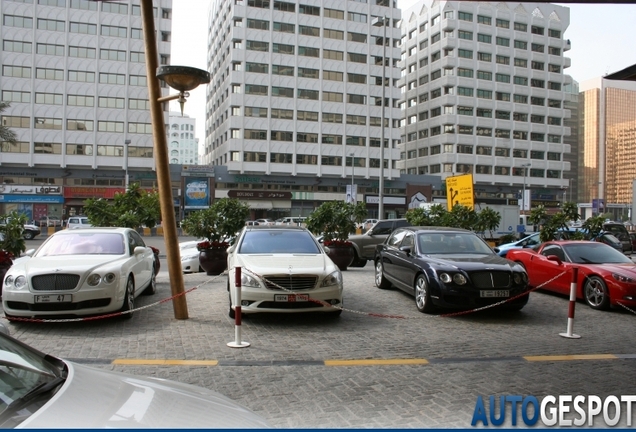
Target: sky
<point x="602" y="37"/>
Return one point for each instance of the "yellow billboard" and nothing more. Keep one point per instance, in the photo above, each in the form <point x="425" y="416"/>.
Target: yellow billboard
<point x="459" y="190"/>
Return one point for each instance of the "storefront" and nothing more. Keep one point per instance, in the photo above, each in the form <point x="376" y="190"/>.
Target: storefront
<point x="36" y="202"/>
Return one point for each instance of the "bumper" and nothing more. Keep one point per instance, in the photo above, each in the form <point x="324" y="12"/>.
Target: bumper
<point x="471" y="298"/>
<point x="84" y="302"/>
<point x="257" y="300"/>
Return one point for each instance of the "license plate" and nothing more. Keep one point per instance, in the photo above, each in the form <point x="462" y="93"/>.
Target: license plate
<point x="494" y="293"/>
<point x="54" y="298"/>
<point x="291" y="297"/>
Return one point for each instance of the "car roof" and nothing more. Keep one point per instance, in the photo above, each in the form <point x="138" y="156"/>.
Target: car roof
<point x="94" y="230"/>
<point x="274" y="227"/>
<point x="436" y="229"/>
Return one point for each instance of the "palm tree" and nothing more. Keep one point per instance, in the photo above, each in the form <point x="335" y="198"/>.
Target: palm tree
<point x="6" y="134"/>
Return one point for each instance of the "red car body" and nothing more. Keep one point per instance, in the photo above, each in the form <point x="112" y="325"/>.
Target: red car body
<point x="606" y="277"/>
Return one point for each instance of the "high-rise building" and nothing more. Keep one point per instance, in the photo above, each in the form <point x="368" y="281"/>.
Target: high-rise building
<point x="74" y="74"/>
<point x="607" y="154"/>
<point x="296" y="89"/>
<point x="483" y="93"/>
<point x="183" y="146"/>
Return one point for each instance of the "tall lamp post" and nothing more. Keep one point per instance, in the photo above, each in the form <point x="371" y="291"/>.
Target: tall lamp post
<point x="382" y="22"/>
<point x="182" y="79"/>
<point x="353" y="199"/>
<point x="523" y="196"/>
<point x="126" y="182"/>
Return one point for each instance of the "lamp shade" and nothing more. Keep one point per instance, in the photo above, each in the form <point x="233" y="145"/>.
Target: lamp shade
<point x="183" y="78"/>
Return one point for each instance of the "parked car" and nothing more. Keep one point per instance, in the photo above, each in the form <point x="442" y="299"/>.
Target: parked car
<point x="449" y="268"/>
<point x="633" y="237"/>
<point x="605" y="276"/>
<point x="364" y="245"/>
<point x="42" y="391"/>
<point x="80" y="272"/>
<point x="367" y="224"/>
<point x="265" y="222"/>
<point x="620" y="232"/>
<point x="78" y="222"/>
<point x="189" y="257"/>
<point x="283" y="269"/>
<point x="292" y="221"/>
<point x="526" y="242"/>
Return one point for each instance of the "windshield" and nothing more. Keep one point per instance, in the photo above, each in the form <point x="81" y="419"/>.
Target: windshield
<point x="594" y="253"/>
<point x="83" y="244"/>
<point x="452" y="243"/>
<point x="278" y="241"/>
<point x="23" y="376"/>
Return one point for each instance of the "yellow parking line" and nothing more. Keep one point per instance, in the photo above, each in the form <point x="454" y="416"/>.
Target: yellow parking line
<point x="385" y="362"/>
<point x="571" y="357"/>
<point x="166" y="362"/>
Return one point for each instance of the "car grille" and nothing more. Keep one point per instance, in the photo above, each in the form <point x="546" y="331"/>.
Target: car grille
<point x="490" y="279"/>
<point x="55" y="282"/>
<point x="294" y="282"/>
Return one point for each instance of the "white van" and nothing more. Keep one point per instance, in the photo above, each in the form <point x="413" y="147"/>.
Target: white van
<point x="300" y="221"/>
<point x="78" y="222"/>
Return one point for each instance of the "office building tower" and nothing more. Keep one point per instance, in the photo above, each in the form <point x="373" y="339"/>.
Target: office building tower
<point x="483" y="93"/>
<point x="183" y="146"/>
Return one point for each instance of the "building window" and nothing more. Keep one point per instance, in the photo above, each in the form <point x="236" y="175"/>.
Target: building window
<point x="501" y="41"/>
<point x="521" y="27"/>
<point x="554" y="33"/>
<point x="464" y="53"/>
<point x="484" y="112"/>
<point x="537" y="47"/>
<point x="536" y="30"/>
<point x="520" y="99"/>
<point x="502" y="23"/>
<point x="505" y="60"/>
<point x="484" y="38"/>
<point x="481" y="19"/>
<point x="520" y="117"/>
<point x="503" y="78"/>
<point x="462" y="34"/>
<point x="521" y="62"/>
<point x="521" y="44"/>
<point x="464" y="91"/>
<point x="481" y="56"/>
<point x="484" y="94"/>
<point x="520" y="80"/>
<point x="464" y="16"/>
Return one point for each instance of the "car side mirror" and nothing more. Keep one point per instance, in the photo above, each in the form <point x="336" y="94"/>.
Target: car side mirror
<point x="406" y="250"/>
<point x="326" y="249"/>
<point x="555" y="259"/>
<point x="30" y="252"/>
<point x="496" y="249"/>
<point x="140" y="249"/>
<point x="231" y="249"/>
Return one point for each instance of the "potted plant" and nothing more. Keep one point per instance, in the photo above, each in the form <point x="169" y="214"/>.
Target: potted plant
<point x="217" y="227"/>
<point x="335" y="220"/>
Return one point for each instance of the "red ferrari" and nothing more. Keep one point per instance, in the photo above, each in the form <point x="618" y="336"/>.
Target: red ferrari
<point x="606" y="277"/>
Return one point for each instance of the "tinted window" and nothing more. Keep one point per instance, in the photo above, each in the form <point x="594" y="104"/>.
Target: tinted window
<point x="554" y="250"/>
<point x="396" y="238"/>
<point x="278" y="241"/>
<point x="452" y="243"/>
<point x="384" y="227"/>
<point x="594" y="253"/>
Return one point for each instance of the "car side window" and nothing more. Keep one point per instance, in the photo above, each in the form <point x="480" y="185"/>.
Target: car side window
<point x="395" y="239"/>
<point x="554" y="250"/>
<point x="134" y="240"/>
<point x="382" y="228"/>
<point x="401" y="223"/>
<point x="409" y="240"/>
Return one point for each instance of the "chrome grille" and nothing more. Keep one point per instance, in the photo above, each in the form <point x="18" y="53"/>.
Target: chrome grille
<point x="293" y="282"/>
<point x="55" y="282"/>
<point x="491" y="279"/>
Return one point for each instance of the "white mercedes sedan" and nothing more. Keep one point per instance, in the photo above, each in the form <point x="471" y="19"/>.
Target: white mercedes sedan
<point x="283" y="269"/>
<point x="93" y="271"/>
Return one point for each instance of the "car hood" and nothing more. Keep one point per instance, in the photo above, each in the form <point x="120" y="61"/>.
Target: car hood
<point x="473" y="262"/>
<point x="95" y="398"/>
<point x="624" y="268"/>
<point x="286" y="263"/>
<point x="65" y="263"/>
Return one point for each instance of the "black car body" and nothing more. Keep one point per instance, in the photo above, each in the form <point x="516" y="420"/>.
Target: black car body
<point x="450" y="268"/>
<point x="620" y="232"/>
<point x="364" y="245"/>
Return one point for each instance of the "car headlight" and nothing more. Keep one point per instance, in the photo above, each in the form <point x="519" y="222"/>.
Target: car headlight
<point x="20" y="282"/>
<point x="249" y="281"/>
<point x="94" y="279"/>
<point x="458" y="278"/>
<point x="622" y="278"/>
<point x="334" y="278"/>
<point x="109" y="278"/>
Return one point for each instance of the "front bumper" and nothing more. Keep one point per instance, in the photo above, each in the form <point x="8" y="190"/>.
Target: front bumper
<point x="256" y="300"/>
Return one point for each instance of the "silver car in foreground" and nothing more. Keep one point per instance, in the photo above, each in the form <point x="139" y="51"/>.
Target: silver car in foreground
<point x="283" y="269"/>
<point x="42" y="391"/>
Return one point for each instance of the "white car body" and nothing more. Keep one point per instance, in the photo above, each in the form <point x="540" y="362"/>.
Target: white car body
<point x="189" y="257"/>
<point x="302" y="272"/>
<point x="91" y="398"/>
<point x="91" y="271"/>
<point x="78" y="222"/>
<point x="265" y="222"/>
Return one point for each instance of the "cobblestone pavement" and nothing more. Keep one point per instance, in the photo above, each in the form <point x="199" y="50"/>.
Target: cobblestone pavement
<point x="283" y="376"/>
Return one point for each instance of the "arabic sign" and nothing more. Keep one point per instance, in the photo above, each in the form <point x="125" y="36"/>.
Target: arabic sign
<point x="28" y="189"/>
<point x="459" y="190"/>
<point x="197" y="193"/>
<point x="251" y="194"/>
<point x="53" y="199"/>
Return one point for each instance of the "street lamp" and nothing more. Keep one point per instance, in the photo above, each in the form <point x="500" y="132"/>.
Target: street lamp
<point x="182" y="79"/>
<point x="126" y="142"/>
<point x="382" y="22"/>
<point x="523" y="196"/>
<point x="353" y="199"/>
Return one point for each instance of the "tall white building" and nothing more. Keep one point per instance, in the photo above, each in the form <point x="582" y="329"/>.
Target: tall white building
<point x="74" y="74"/>
<point x="183" y="146"/>
<point x="296" y="88"/>
<point x="483" y="93"/>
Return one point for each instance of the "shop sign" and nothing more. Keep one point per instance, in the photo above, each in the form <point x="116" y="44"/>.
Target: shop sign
<point x="91" y="192"/>
<point x="25" y="198"/>
<point x="197" y="193"/>
<point x="241" y="194"/>
<point x="28" y="189"/>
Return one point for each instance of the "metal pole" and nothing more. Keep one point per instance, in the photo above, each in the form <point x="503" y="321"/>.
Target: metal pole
<point x="352" y="184"/>
<point x="381" y="179"/>
<point x="162" y="164"/>
<point x="126" y="182"/>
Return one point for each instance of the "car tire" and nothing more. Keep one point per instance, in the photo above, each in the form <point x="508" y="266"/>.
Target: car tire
<point x="380" y="280"/>
<point x="422" y="293"/>
<point x="595" y="293"/>
<point x="28" y="235"/>
<point x="357" y="261"/>
<point x="151" y="289"/>
<point x="129" y="299"/>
